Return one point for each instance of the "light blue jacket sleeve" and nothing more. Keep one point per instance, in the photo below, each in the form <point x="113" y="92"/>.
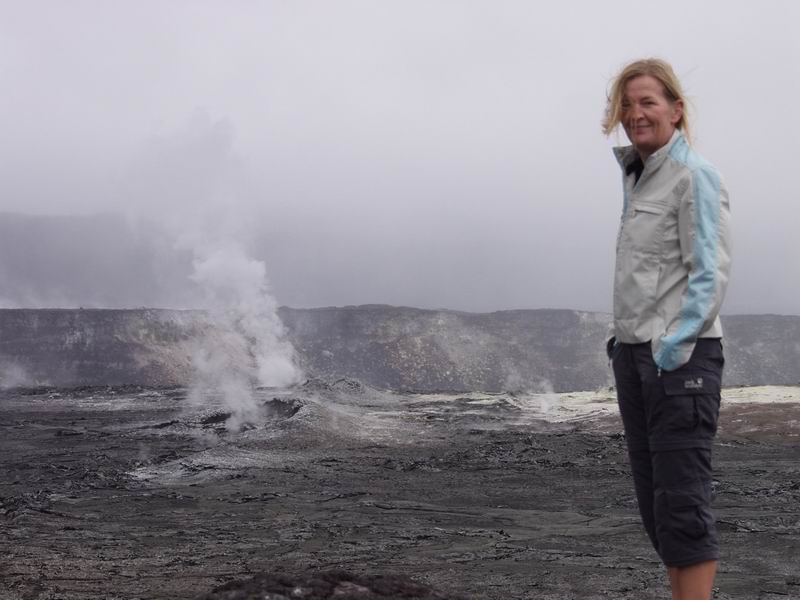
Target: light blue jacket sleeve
<point x="704" y="234"/>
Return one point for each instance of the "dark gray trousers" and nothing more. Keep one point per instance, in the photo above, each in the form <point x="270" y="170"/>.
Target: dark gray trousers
<point x="670" y="420"/>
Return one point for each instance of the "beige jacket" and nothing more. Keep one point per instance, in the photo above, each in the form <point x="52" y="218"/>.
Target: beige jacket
<point x="673" y="252"/>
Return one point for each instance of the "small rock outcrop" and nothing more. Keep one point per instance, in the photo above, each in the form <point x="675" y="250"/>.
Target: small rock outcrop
<point x="326" y="585"/>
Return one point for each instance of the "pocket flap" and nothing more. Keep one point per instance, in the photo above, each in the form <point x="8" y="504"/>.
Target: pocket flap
<point x="692" y="495"/>
<point x="653" y="209"/>
<point x="691" y="383"/>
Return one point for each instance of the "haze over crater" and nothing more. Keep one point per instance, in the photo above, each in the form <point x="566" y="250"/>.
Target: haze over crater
<point x="407" y="153"/>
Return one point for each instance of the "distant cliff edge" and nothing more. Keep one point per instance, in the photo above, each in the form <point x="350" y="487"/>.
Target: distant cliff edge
<point x="383" y="346"/>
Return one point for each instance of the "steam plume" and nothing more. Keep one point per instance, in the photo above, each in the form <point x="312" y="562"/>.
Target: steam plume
<point x="247" y="345"/>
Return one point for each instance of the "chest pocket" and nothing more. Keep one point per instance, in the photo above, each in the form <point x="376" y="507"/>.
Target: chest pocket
<point x="645" y="226"/>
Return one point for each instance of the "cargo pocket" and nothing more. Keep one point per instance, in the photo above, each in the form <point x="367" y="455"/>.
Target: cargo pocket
<point x="691" y="403"/>
<point x="685" y="523"/>
<point x="646" y="225"/>
<point x="687" y="511"/>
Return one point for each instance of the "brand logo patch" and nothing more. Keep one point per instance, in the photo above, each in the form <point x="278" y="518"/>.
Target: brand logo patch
<point x="693" y="384"/>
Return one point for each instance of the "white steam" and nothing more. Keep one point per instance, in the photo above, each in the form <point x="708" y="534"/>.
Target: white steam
<point x="247" y="345"/>
<point x="13" y="375"/>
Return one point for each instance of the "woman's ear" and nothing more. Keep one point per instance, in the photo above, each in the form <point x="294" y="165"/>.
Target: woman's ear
<point x="677" y="112"/>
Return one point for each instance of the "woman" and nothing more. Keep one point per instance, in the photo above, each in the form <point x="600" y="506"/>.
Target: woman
<point x="673" y="260"/>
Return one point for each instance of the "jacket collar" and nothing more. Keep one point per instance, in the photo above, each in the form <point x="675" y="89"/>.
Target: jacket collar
<point x="627" y="155"/>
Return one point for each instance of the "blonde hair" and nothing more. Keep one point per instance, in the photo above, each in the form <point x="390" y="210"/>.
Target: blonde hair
<point x="656" y="68"/>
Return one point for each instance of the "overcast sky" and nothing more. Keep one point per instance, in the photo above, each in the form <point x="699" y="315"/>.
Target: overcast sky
<point x="425" y="153"/>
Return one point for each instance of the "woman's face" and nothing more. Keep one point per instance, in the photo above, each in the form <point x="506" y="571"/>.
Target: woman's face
<point x="648" y="117"/>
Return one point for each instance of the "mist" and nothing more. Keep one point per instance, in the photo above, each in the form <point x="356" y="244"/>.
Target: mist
<point x="441" y="155"/>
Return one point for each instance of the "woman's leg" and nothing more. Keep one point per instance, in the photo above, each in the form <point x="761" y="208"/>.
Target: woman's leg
<point x="683" y="408"/>
<point x="634" y="420"/>
<point x="694" y="582"/>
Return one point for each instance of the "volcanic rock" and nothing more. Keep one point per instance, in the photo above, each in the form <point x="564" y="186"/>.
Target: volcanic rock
<point x="326" y="585"/>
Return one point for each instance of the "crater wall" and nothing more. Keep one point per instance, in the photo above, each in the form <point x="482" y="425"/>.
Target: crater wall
<point x="384" y="346"/>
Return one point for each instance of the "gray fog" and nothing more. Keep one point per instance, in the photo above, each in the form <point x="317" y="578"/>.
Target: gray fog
<point x="435" y="154"/>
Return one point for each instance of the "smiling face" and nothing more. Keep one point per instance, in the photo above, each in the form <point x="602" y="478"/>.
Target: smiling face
<point x="648" y="116"/>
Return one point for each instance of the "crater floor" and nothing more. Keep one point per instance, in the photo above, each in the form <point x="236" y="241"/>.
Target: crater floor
<point x="142" y="493"/>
